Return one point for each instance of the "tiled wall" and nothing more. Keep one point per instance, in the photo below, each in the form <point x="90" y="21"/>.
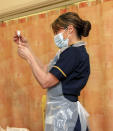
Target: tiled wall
<point x="20" y="94"/>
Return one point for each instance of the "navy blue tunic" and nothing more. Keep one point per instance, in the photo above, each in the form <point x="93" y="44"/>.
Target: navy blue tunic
<point x="72" y="69"/>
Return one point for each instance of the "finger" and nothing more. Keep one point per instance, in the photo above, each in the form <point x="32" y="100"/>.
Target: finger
<point x="23" y="39"/>
<point x="15" y="38"/>
<point x="19" y="53"/>
<point x="24" y="44"/>
<point x="19" y="42"/>
<point x="20" y="38"/>
<point x="16" y="41"/>
<point x="19" y="46"/>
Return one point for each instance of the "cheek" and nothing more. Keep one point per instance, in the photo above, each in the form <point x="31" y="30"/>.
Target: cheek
<point x="65" y="35"/>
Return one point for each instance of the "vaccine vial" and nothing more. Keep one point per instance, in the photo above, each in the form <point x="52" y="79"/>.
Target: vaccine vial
<point x="18" y="33"/>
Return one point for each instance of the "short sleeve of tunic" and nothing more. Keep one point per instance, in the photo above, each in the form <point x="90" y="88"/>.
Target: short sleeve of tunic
<point x="68" y="61"/>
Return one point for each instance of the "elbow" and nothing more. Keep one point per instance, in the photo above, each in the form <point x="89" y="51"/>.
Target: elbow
<point x="49" y="82"/>
<point x="45" y="85"/>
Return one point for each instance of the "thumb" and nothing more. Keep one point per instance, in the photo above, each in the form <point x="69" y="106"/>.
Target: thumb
<point x="19" y="46"/>
<point x="19" y="41"/>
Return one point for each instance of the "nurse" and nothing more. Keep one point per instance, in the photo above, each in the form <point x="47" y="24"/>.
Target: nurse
<point x="66" y="74"/>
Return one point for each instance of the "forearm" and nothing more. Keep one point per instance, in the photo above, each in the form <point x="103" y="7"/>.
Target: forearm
<point x="38" y="61"/>
<point x="40" y="74"/>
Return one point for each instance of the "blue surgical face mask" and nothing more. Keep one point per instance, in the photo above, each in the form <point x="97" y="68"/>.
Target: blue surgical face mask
<point x="59" y="40"/>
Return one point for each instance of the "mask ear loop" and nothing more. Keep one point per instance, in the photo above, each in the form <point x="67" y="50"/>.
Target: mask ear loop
<point x="68" y="34"/>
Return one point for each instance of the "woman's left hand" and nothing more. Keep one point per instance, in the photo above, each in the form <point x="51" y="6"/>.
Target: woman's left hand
<point x="24" y="50"/>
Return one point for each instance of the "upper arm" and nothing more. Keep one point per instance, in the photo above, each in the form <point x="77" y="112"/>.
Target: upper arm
<point x="68" y="61"/>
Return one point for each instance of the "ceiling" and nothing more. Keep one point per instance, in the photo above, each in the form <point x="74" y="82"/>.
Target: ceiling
<point x="11" y="9"/>
<point x="8" y="5"/>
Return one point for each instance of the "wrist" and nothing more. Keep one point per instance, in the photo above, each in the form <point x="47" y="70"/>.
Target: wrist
<point x="30" y="58"/>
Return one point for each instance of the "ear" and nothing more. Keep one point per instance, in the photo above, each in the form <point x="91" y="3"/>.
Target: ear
<point x="70" y="29"/>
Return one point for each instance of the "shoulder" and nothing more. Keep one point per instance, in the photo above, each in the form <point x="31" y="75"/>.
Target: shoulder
<point x="70" y="51"/>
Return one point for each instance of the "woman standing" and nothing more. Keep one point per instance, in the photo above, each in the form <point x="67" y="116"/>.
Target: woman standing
<point x="65" y="76"/>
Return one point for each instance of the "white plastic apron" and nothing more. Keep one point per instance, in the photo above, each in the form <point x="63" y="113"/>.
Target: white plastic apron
<point x="62" y="114"/>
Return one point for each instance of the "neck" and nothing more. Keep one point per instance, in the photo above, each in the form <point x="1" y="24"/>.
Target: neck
<point x="73" y="40"/>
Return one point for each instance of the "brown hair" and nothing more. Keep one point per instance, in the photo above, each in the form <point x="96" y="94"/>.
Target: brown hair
<point x="70" y="18"/>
